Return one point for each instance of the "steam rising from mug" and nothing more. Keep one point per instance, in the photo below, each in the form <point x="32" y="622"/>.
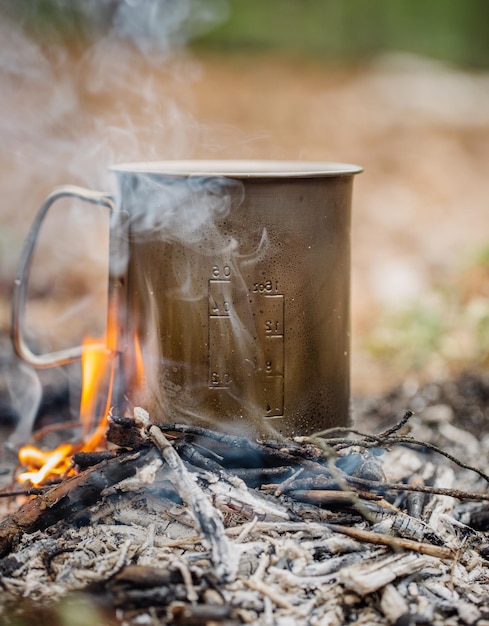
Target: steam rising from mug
<point x="184" y="211"/>
<point x="179" y="210"/>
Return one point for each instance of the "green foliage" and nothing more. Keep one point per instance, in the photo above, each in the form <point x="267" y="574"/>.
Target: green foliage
<point x="51" y="19"/>
<point x="350" y="30"/>
<point x="454" y="30"/>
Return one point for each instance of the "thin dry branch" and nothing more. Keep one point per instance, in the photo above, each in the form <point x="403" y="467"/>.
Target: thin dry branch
<point x="333" y="444"/>
<point x="397" y="543"/>
<point x="206" y="515"/>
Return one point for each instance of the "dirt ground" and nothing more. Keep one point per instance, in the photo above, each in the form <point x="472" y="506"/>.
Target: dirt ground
<point x="419" y="129"/>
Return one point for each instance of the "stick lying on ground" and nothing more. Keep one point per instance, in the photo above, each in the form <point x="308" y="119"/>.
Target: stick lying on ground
<point x="69" y="497"/>
<point x="207" y="516"/>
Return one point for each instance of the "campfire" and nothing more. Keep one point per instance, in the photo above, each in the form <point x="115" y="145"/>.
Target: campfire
<point x="183" y="524"/>
<point x="97" y="377"/>
<point x="213" y="474"/>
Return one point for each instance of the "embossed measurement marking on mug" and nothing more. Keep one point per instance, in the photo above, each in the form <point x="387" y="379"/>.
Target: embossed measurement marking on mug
<point x="269" y="313"/>
<point x="220" y="329"/>
<point x="271" y="328"/>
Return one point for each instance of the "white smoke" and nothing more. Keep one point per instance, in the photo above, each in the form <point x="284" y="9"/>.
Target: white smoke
<point x="99" y="82"/>
<point x="70" y="109"/>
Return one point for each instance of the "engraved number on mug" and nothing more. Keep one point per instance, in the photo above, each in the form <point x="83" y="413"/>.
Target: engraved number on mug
<point x="220" y="380"/>
<point x="220" y="308"/>
<point x="268" y="286"/>
<point x="271" y="320"/>
<point x="221" y="271"/>
<point x="274" y="327"/>
<point x="220" y="330"/>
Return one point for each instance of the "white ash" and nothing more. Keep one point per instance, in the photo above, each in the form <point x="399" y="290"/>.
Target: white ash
<point x="291" y="570"/>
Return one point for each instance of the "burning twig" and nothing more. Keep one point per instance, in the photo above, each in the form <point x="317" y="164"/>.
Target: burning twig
<point x="68" y="498"/>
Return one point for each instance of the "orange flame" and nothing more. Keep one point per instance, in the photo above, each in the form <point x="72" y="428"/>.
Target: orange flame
<point x="48" y="463"/>
<point x="139" y="363"/>
<point x="98" y="368"/>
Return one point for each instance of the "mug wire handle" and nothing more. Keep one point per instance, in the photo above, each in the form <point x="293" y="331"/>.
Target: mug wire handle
<point x="19" y="294"/>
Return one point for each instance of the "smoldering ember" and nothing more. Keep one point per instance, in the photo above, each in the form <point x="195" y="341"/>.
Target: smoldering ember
<point x="178" y="524"/>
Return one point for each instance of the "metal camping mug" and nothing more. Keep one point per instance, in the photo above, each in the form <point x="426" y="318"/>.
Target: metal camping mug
<point x="233" y="279"/>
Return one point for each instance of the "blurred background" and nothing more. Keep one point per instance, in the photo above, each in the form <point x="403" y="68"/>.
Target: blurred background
<point x="399" y="87"/>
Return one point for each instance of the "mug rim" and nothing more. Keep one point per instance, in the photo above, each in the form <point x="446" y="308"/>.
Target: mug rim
<point x="242" y="168"/>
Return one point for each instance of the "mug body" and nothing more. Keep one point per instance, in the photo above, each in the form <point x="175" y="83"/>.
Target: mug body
<point x="237" y="291"/>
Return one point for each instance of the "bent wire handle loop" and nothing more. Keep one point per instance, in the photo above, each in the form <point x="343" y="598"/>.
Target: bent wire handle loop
<point x="19" y="294"/>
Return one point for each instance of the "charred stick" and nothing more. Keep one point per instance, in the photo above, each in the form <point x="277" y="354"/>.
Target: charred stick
<point x="330" y="497"/>
<point x="83" y="460"/>
<point x="294" y="448"/>
<point x="346" y="429"/>
<point x="156" y="596"/>
<point x="193" y="456"/>
<point x="479" y="519"/>
<point x="301" y="511"/>
<point x="256" y="476"/>
<point x="397" y="427"/>
<point x="122" y="431"/>
<point x="144" y="576"/>
<point x="200" y="614"/>
<point x="33" y="491"/>
<point x="415" y="499"/>
<point x="288" y="481"/>
<point x="442" y="491"/>
<point x="67" y="498"/>
<point x="320" y="482"/>
<point x="266" y="454"/>
<point x="123" y="422"/>
<point x="405" y="525"/>
<point x="233" y="441"/>
<point x="397" y="543"/>
<point x="206" y="515"/>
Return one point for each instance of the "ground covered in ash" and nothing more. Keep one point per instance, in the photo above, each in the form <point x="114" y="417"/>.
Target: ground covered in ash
<point x="462" y="400"/>
<point x="387" y="523"/>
